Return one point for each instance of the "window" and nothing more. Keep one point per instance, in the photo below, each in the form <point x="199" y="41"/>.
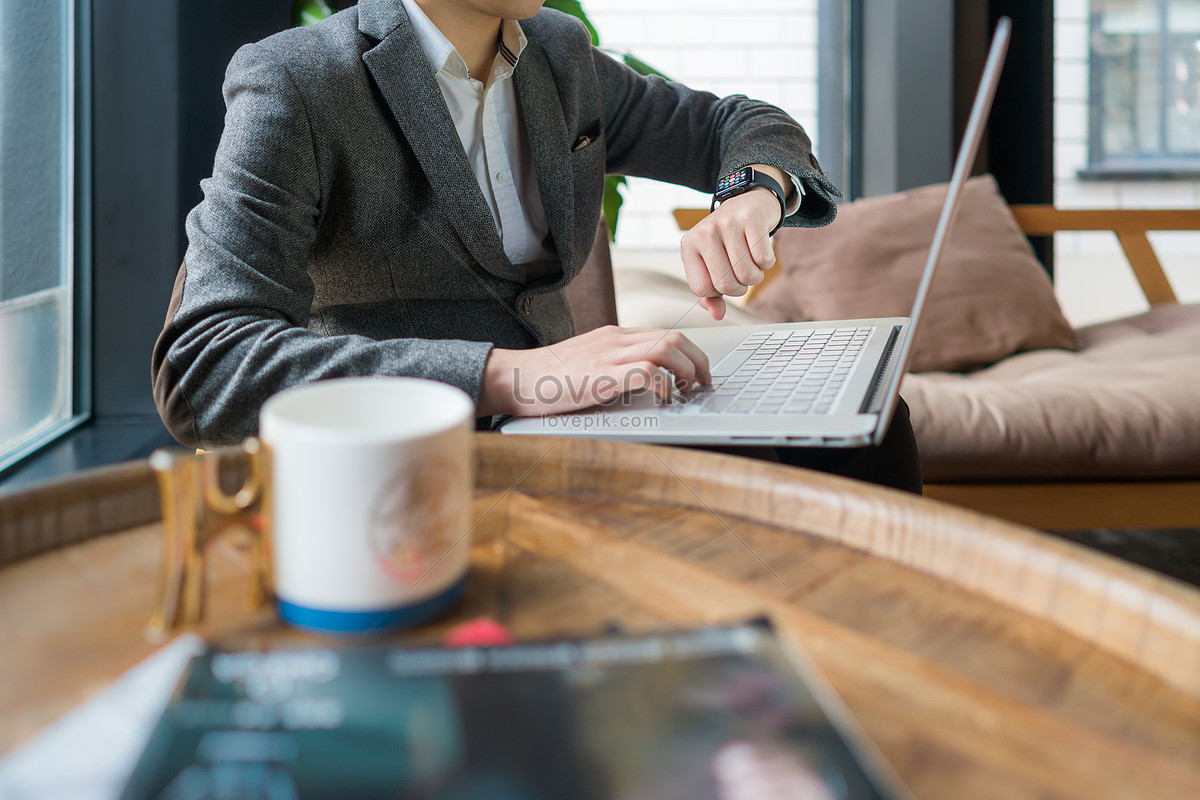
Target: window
<point x="1145" y="87"/>
<point x="766" y="49"/>
<point x="37" y="213"/>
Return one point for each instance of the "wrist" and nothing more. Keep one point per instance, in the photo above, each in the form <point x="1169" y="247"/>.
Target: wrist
<point x="497" y="388"/>
<point x="781" y="177"/>
<point x="793" y="191"/>
<point x="773" y="210"/>
<point x="744" y="181"/>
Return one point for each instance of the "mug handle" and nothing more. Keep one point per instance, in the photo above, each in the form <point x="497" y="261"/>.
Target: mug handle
<point x="196" y="512"/>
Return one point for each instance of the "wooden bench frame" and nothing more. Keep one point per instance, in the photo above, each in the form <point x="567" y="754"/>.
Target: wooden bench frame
<point x="1079" y="505"/>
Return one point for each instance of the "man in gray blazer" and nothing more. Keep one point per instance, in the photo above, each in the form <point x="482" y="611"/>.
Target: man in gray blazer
<point x="347" y="230"/>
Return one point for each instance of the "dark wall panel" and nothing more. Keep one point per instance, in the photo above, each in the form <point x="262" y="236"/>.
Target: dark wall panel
<point x="1020" y="148"/>
<point x="157" y="111"/>
<point x="135" y="155"/>
<point x="1020" y="152"/>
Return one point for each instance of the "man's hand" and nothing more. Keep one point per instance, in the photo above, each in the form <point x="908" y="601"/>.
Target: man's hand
<point x="589" y="369"/>
<point x="728" y="250"/>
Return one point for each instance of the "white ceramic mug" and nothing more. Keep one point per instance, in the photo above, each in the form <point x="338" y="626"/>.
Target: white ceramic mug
<point x="370" y="500"/>
<point x="357" y="504"/>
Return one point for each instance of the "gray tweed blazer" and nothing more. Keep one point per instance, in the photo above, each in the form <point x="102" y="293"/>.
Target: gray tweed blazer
<point x="343" y="233"/>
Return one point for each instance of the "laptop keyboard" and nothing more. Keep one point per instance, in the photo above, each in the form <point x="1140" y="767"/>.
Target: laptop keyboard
<point x="783" y="372"/>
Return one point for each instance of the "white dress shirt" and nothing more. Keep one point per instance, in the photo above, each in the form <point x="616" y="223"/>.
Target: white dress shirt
<point x="488" y="122"/>
<point x="487" y="118"/>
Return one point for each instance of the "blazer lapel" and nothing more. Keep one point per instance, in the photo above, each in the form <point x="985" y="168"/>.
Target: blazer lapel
<point x="549" y="143"/>
<point x="405" y="79"/>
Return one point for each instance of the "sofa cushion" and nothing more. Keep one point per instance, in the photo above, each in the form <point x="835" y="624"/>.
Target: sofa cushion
<point x="989" y="299"/>
<point x="1126" y="406"/>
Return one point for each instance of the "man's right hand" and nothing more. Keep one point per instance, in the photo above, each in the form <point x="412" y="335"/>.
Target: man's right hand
<point x="592" y="368"/>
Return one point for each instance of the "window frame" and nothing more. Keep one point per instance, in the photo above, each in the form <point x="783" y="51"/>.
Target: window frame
<point x="1161" y="163"/>
<point x="149" y="115"/>
<point x="76" y="199"/>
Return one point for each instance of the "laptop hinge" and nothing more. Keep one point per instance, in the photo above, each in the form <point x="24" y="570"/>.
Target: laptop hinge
<point x="873" y="403"/>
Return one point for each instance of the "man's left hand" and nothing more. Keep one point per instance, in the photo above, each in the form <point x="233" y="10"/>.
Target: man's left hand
<point x="728" y="251"/>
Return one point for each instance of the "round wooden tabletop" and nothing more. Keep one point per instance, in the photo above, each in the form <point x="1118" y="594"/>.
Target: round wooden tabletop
<point x="983" y="659"/>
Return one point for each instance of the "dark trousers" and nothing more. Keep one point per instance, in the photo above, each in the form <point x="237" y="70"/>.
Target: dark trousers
<point x="894" y="463"/>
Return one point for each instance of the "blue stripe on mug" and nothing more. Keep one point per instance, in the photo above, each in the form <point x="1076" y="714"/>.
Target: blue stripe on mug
<point x="327" y="621"/>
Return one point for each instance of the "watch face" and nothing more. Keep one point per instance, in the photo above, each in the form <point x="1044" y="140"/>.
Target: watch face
<point x="733" y="180"/>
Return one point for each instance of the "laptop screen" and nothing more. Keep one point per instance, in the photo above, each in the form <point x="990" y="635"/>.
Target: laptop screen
<point x="972" y="136"/>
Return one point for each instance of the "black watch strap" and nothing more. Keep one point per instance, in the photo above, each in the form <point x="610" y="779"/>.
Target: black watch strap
<point x="742" y="181"/>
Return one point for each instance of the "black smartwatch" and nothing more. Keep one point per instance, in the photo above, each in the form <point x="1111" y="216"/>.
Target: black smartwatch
<point x="744" y="180"/>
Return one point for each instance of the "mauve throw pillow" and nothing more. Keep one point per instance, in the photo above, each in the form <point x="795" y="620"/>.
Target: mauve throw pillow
<point x="990" y="297"/>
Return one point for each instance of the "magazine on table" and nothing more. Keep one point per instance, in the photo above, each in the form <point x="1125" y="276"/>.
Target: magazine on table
<point x="720" y="713"/>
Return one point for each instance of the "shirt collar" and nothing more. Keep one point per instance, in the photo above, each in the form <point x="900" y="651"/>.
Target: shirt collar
<point x="443" y="55"/>
<point x="512" y="42"/>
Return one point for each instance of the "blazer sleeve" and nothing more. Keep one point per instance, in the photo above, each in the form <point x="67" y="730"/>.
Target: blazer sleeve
<point x="663" y="130"/>
<point x="236" y="329"/>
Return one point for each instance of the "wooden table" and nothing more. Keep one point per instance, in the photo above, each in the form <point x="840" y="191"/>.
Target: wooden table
<point x="985" y="660"/>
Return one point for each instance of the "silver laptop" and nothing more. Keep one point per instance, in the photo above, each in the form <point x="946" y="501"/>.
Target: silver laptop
<point x="815" y="384"/>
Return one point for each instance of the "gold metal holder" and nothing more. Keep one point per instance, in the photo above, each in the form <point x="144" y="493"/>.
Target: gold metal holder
<point x="196" y="512"/>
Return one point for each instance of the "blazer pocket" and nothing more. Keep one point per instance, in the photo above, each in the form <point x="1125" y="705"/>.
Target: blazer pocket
<point x="587" y="137"/>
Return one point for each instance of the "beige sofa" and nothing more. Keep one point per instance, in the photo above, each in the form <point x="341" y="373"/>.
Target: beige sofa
<point x="1107" y="435"/>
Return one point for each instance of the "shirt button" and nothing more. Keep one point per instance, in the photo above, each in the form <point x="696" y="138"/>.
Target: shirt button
<point x="499" y="177"/>
<point x="525" y="304"/>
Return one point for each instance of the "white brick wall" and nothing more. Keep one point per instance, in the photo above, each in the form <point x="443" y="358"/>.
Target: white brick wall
<point x="766" y="49"/>
<point x="1091" y="276"/>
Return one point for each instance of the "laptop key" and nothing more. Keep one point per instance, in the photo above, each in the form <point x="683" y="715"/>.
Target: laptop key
<point x="743" y="405"/>
<point x="717" y="405"/>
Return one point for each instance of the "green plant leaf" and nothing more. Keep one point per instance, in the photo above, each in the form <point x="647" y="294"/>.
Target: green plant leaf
<point x="310" y="12"/>
<point x="640" y="67"/>
<point x="575" y="9"/>
<point x="612" y="203"/>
